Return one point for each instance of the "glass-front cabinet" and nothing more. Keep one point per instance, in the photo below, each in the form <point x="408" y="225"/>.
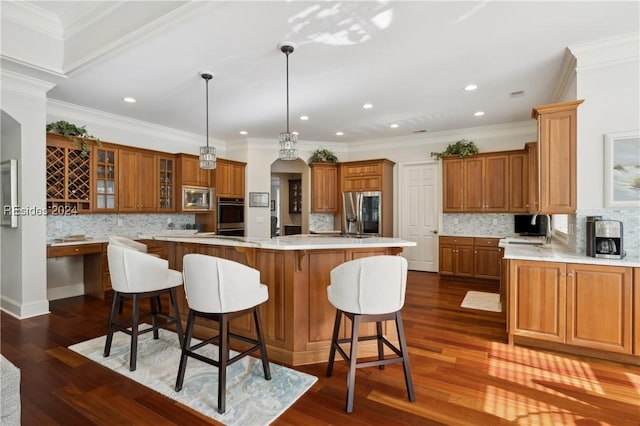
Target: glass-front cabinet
<point x="167" y="187"/>
<point x="105" y="178"/>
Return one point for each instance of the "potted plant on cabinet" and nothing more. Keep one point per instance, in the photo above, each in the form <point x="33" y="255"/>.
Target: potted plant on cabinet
<point x="75" y="134"/>
<point x="462" y="148"/>
<point x="323" y="155"/>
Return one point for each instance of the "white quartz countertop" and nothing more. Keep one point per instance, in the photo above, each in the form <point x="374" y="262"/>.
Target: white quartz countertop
<point x="557" y="253"/>
<point x="291" y="242"/>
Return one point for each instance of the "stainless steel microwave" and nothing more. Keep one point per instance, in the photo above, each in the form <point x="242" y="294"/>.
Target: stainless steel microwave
<point x="197" y="199"/>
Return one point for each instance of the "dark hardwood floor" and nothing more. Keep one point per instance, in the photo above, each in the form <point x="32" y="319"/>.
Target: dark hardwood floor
<point x="463" y="370"/>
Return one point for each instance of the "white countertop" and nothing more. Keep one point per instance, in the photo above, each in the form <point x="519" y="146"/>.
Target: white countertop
<point x="291" y="242"/>
<point x="557" y="253"/>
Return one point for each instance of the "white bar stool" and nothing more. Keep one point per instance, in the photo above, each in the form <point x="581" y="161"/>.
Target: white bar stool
<point x="370" y="289"/>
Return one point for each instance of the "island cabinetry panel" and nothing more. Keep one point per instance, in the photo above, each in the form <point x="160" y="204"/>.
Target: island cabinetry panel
<point x="105" y="178"/>
<point x="324" y="188"/>
<point x="537" y="300"/>
<point x="68" y="177"/>
<point x="137" y="181"/>
<point x="229" y="178"/>
<point x="599" y="307"/>
<point x="557" y="156"/>
<point x="298" y="318"/>
<point x="189" y="172"/>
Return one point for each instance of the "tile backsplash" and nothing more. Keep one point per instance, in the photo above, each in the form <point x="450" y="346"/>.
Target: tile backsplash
<point x="472" y="224"/>
<point x="321" y="222"/>
<point x="103" y="225"/>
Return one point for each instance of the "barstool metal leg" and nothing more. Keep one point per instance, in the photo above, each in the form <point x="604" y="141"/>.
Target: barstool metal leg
<point x="263" y="348"/>
<point x="351" y="378"/>
<point x="112" y="319"/>
<point x="334" y="342"/>
<point x="176" y="313"/>
<point x="405" y="357"/>
<point x="135" y="317"/>
<point x="380" y="343"/>
<point x="223" y="357"/>
<point x="153" y="301"/>
<point x="186" y="344"/>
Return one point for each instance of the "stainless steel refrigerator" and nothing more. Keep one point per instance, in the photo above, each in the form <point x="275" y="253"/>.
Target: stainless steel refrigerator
<point x="362" y="213"/>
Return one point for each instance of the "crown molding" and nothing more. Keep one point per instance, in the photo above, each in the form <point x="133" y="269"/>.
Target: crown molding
<point x="20" y="64"/>
<point x="80" y="21"/>
<point x="607" y="52"/>
<point x="23" y="85"/>
<point x="32" y="17"/>
<point x="567" y="77"/>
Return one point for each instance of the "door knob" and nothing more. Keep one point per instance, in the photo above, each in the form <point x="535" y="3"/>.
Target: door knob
<point x="434" y="232"/>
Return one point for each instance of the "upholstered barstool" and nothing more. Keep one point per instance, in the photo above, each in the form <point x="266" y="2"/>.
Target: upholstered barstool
<point x="369" y="289"/>
<point x="137" y="276"/>
<point x="220" y="290"/>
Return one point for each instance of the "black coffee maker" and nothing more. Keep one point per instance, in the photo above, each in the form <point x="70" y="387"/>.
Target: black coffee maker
<point x="591" y="235"/>
<point x="608" y="243"/>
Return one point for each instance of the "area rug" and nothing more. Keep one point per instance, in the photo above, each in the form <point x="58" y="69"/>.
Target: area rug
<point x="482" y="301"/>
<point x="251" y="400"/>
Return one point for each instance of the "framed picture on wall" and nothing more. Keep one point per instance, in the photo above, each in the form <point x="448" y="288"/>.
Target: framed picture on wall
<point x="258" y="199"/>
<point x="622" y="170"/>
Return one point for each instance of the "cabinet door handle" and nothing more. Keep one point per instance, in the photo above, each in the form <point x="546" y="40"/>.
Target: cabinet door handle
<point x="570" y="274"/>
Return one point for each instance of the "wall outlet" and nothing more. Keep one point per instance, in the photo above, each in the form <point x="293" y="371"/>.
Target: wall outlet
<point x="119" y="222"/>
<point x="58" y="224"/>
<point x="494" y="221"/>
<point x="169" y="221"/>
<point x="455" y="221"/>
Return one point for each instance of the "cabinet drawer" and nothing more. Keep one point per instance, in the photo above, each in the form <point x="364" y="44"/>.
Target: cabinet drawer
<point x="373" y="183"/>
<point x="486" y="242"/>
<point x="461" y="241"/>
<point x="74" y="250"/>
<point x="362" y="169"/>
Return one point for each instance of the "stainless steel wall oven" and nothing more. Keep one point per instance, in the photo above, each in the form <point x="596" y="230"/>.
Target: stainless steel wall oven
<point x="231" y="216"/>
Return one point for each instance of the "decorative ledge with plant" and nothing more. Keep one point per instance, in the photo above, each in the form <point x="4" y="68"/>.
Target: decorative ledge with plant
<point x="323" y="155"/>
<point x="75" y="134"/>
<point x="462" y="148"/>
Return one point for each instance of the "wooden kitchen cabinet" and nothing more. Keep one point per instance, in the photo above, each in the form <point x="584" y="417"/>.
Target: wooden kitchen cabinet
<point x="599" y="307"/>
<point x="456" y="256"/>
<point x="229" y="178"/>
<point x="68" y="177"/>
<point x="189" y="172"/>
<point x="487" y="258"/>
<point x="486" y="183"/>
<point x="537" y="300"/>
<point x="519" y="182"/>
<point x="636" y="311"/>
<point x="105" y="178"/>
<point x="453" y="185"/>
<point x="166" y="183"/>
<point x="324" y="188"/>
<point x="532" y="158"/>
<point x="557" y="157"/>
<point x="137" y="181"/>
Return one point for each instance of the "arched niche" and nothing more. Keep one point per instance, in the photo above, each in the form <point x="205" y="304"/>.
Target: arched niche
<point x="284" y="174"/>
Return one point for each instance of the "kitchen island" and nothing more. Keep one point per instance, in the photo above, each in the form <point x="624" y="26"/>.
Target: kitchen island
<point x="297" y="319"/>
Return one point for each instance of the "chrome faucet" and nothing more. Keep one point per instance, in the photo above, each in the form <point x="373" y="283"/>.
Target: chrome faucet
<point x="547" y="228"/>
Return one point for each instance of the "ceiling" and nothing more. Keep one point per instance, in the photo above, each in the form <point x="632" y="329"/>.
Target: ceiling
<point x="411" y="60"/>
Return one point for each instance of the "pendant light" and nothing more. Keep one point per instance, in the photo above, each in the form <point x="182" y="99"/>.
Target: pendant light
<point x="207" y="153"/>
<point x="288" y="141"/>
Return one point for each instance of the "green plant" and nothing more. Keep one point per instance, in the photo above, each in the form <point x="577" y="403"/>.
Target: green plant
<point x="462" y="148"/>
<point x="323" y="155"/>
<point x="75" y="134"/>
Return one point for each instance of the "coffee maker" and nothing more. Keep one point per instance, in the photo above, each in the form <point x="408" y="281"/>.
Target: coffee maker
<point x="591" y="235"/>
<point x="608" y="236"/>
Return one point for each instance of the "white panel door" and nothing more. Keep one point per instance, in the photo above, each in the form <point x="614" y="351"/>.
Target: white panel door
<point x="418" y="214"/>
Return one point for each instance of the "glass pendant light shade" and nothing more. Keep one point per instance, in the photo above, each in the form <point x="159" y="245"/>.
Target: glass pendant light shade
<point x="288" y="141"/>
<point x="207" y="153"/>
<point x="288" y="146"/>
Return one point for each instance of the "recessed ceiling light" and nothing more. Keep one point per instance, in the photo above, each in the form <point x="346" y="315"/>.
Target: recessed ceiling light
<point x="478" y="113"/>
<point x="367" y="106"/>
<point x="129" y="99"/>
<point x="394" y="126"/>
<point x="339" y="133"/>
<point x="243" y="132"/>
<point x="470" y="87"/>
<point x="304" y="118"/>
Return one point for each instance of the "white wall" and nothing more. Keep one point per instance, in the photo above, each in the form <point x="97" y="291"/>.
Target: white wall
<point x="24" y="264"/>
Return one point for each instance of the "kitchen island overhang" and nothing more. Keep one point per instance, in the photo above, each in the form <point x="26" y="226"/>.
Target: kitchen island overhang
<point x="297" y="318"/>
